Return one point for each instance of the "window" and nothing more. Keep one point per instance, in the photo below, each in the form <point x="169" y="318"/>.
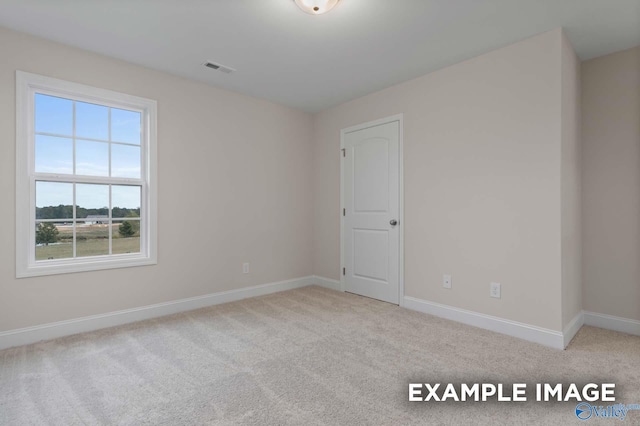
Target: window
<point x="85" y="178"/>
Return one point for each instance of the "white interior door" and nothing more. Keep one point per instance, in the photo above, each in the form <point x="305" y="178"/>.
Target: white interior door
<point x="371" y="228"/>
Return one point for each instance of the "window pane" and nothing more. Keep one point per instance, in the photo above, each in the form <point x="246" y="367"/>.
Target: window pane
<point x="54" y="200"/>
<point x="125" y="201"/>
<point x="54" y="240"/>
<point x="126" y="236"/>
<point x="54" y="155"/>
<point x="125" y="126"/>
<point x="92" y="121"/>
<point x="53" y="115"/>
<point x="92" y="204"/>
<point x="92" y="158"/>
<point x="92" y="226"/>
<point x="92" y="238"/>
<point x="125" y="161"/>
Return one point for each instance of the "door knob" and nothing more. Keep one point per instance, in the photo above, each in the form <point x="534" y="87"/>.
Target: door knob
<point x="393" y="222"/>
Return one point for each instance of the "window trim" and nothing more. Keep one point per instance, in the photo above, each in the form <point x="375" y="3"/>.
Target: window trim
<point x="27" y="84"/>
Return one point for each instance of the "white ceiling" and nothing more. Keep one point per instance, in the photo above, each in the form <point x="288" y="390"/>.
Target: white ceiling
<point x="314" y="62"/>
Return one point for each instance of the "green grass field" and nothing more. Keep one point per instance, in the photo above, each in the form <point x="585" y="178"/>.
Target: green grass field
<point x="92" y="240"/>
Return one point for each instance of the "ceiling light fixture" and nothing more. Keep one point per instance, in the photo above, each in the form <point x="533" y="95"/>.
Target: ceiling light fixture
<point x="316" y="7"/>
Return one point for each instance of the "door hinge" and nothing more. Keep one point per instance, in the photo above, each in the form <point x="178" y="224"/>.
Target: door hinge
<point x="344" y="212"/>
<point x="344" y="271"/>
<point x="344" y="152"/>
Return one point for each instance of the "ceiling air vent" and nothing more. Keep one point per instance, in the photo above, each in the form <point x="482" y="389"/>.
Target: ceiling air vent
<point x="218" y="67"/>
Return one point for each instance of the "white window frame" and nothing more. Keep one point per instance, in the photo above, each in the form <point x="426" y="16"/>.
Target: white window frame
<point x="27" y="85"/>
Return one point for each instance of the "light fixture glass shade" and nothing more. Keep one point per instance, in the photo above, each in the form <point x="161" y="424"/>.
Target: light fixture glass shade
<point x="316" y="7"/>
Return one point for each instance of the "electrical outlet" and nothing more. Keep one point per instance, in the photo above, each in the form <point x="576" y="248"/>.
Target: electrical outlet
<point x="494" y="290"/>
<point x="446" y="281"/>
<point x="245" y="268"/>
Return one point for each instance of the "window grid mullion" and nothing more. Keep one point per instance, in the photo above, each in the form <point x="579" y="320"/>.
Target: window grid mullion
<point x="58" y="135"/>
<point x="100" y="180"/>
<point x="109" y="135"/>
<point x="110" y="220"/>
<point x="74" y="238"/>
<point x="69" y="219"/>
<point x="110" y="186"/>
<point x="74" y="221"/>
<point x="73" y="135"/>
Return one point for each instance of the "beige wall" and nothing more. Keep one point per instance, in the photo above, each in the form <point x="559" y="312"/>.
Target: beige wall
<point x="492" y="188"/>
<point x="234" y="186"/>
<point x="482" y="167"/>
<point x="611" y="184"/>
<point x="571" y="185"/>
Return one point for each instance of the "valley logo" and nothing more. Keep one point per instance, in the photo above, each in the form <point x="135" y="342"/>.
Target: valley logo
<point x="585" y="411"/>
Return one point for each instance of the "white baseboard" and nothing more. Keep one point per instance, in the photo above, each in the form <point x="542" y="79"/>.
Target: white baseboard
<point x="543" y="336"/>
<point x="24" y="336"/>
<point x="554" y="339"/>
<point x="572" y="328"/>
<point x="610" y="322"/>
<point x="326" y="282"/>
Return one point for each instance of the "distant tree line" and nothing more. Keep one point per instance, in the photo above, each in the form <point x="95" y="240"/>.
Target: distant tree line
<point x="66" y="212"/>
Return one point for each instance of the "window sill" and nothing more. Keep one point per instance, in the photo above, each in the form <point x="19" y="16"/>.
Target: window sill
<point x="70" y="266"/>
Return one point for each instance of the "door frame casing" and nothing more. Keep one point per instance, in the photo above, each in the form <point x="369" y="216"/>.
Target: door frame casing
<point x="400" y="119"/>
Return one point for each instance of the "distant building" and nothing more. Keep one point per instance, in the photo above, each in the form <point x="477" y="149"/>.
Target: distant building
<point x="95" y="219"/>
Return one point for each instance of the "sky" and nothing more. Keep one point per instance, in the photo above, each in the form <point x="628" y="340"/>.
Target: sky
<point x="99" y="130"/>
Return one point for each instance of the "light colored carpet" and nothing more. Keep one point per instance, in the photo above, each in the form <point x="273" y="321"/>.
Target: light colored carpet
<point x="309" y="356"/>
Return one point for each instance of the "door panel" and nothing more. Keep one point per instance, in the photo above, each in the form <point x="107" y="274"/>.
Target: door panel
<point x="371" y="174"/>
<point x="371" y="254"/>
<point x="371" y="202"/>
